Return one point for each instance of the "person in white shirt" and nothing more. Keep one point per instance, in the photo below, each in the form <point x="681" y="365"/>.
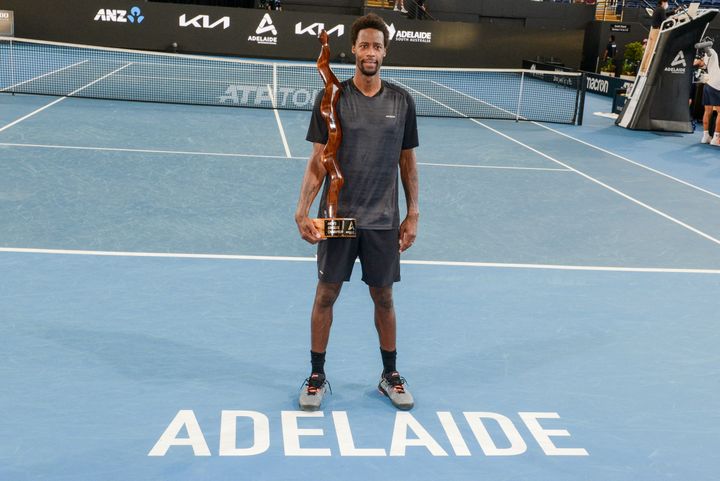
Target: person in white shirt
<point x="711" y="97"/>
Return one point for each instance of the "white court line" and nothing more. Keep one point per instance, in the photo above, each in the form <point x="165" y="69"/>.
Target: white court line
<point x="62" y="98"/>
<point x="688" y="184"/>
<point x="588" y="177"/>
<point x="170" y="255"/>
<point x="44" y="75"/>
<point x="261" y="156"/>
<point x="500" y="167"/>
<point x="146" y="151"/>
<point x="280" y="126"/>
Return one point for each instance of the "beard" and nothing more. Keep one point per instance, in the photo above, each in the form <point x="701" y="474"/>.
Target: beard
<point x="368" y="72"/>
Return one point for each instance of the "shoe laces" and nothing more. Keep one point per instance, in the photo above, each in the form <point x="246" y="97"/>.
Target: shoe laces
<point x="314" y="384"/>
<point x="396" y="382"/>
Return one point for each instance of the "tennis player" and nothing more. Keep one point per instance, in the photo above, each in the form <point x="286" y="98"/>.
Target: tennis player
<point x="711" y="96"/>
<point x="379" y="135"/>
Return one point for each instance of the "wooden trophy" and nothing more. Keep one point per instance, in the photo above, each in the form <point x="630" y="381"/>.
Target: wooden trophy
<point x="331" y="226"/>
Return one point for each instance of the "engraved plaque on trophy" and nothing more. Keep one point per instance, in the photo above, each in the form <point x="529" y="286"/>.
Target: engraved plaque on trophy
<point x="331" y="226"/>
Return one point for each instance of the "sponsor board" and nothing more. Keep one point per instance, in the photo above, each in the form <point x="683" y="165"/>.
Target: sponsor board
<point x="7" y="22"/>
<point x="620" y="27"/>
<point x="495" y="435"/>
<point x="600" y="84"/>
<point x="594" y="83"/>
<point x="409" y="35"/>
<point x="265" y="33"/>
<point x="314" y="29"/>
<point x="203" y="21"/>
<point x="115" y="15"/>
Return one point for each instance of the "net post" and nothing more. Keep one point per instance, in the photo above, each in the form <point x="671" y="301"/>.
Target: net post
<point x="275" y="81"/>
<point x="580" y="108"/>
<point x="522" y="83"/>
<point x="12" y="68"/>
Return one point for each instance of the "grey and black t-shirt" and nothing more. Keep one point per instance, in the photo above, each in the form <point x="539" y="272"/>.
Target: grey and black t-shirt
<point x="374" y="131"/>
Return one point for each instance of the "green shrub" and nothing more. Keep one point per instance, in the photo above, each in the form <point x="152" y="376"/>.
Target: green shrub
<point x="633" y="57"/>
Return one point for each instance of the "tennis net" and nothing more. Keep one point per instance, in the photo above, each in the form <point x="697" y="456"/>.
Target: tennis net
<point x="60" y="69"/>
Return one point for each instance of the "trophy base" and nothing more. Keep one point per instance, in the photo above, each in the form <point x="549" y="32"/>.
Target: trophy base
<point x="333" y="228"/>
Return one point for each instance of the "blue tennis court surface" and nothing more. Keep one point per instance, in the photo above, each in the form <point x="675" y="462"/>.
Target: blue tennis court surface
<point x="557" y="315"/>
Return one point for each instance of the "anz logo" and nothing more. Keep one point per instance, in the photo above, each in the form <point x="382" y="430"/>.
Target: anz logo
<point x="203" y="21"/>
<point x="316" y="28"/>
<point x="120" y="16"/>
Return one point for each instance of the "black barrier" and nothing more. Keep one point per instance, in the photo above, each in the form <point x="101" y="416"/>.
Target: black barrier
<point x="594" y="83"/>
<point x="286" y="35"/>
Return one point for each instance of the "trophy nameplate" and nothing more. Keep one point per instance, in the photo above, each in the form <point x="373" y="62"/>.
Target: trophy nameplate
<point x="331" y="226"/>
<point x="335" y="227"/>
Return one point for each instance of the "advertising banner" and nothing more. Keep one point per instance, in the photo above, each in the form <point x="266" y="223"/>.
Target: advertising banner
<point x="283" y="35"/>
<point x="594" y="83"/>
<point x="7" y="23"/>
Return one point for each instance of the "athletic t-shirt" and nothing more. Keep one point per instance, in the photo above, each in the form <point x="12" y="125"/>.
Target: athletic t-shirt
<point x="374" y="131"/>
<point x="713" y="69"/>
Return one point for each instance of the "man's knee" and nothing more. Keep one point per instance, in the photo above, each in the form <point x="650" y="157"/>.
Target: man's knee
<point x="382" y="297"/>
<point x="327" y="294"/>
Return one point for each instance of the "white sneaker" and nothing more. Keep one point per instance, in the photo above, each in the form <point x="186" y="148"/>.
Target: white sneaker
<point x="402" y="10"/>
<point x="715" y="141"/>
<point x="706" y="138"/>
<point x="394" y="386"/>
<point x="396" y="9"/>
<point x="312" y="392"/>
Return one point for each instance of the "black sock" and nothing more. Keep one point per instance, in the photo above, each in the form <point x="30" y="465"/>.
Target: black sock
<point x="388" y="359"/>
<point x="317" y="359"/>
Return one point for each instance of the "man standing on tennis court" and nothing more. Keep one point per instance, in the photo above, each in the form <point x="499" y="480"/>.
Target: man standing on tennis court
<point x="379" y="135"/>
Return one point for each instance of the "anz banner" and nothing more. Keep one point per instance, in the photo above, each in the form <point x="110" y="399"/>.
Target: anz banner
<point x="283" y="35"/>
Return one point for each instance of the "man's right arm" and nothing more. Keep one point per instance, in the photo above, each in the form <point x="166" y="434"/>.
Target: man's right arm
<point x="312" y="181"/>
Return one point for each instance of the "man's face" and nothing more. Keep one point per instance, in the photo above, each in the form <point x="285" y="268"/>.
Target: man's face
<point x="369" y="50"/>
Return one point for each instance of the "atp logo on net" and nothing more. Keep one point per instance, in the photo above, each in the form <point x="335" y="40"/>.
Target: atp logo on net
<point x="134" y="16"/>
<point x="265" y="33"/>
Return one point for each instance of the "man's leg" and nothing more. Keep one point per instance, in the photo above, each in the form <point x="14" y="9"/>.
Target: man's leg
<point x="385" y="321"/>
<point x="707" y="115"/>
<point x="321" y="319"/>
<point x="391" y="383"/>
<point x="716" y="135"/>
<point x="322" y="315"/>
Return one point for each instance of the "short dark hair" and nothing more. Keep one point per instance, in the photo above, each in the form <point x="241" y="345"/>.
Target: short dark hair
<point x="370" y="20"/>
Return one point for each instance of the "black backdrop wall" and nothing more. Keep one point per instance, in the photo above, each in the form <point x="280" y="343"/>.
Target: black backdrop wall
<point x="290" y="34"/>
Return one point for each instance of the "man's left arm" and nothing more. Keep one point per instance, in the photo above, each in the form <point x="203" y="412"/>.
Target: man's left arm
<point x="409" y="177"/>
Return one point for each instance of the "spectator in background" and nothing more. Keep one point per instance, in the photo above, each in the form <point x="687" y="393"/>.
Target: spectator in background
<point x="610" y="49"/>
<point x="422" y="10"/>
<point x="611" y="53"/>
<point x="659" y="14"/>
<point x="711" y="97"/>
<point x="418" y="9"/>
<point x="401" y="5"/>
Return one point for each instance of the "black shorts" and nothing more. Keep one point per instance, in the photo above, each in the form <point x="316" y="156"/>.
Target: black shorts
<point x="379" y="253"/>
<point x="711" y="97"/>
